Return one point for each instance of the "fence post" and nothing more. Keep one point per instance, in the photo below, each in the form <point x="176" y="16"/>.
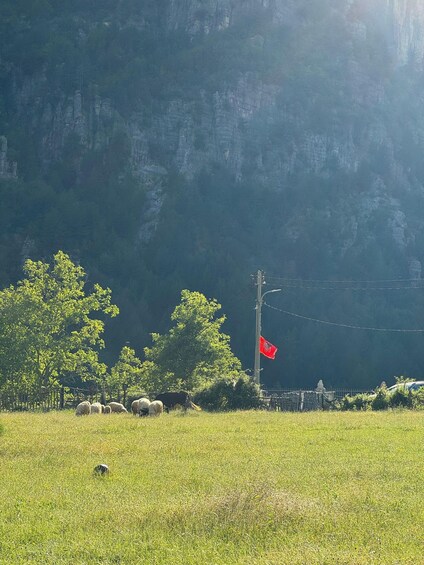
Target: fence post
<point x="301" y="399"/>
<point x="62" y="398"/>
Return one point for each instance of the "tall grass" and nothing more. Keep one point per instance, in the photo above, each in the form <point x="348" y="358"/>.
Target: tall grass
<point x="237" y="488"/>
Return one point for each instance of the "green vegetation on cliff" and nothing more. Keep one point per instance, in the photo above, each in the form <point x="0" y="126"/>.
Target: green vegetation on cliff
<point x="180" y="147"/>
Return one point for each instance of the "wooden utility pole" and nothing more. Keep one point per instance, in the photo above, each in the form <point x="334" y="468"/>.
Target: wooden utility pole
<point x="260" y="280"/>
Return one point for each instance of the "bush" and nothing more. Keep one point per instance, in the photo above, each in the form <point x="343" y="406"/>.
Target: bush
<point x="225" y="395"/>
<point x="418" y="399"/>
<point x="401" y="398"/>
<point x="357" y="402"/>
<point x="381" y="400"/>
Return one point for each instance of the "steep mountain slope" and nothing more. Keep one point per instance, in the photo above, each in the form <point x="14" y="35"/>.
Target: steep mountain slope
<point x="169" y="144"/>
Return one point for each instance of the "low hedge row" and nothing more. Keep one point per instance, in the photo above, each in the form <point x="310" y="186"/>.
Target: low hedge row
<point x="383" y="399"/>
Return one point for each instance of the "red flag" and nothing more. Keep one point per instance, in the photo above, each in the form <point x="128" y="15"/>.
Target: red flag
<point x="267" y="349"/>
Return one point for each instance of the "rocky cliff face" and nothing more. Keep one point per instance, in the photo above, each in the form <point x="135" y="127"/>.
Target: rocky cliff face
<point x="250" y="124"/>
<point x="406" y="30"/>
<point x="317" y="103"/>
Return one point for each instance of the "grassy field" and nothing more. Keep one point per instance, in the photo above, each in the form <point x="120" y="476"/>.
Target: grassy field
<point x="238" y="488"/>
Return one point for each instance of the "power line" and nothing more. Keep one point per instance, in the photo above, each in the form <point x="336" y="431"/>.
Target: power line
<point x="303" y="287"/>
<point x="321" y="281"/>
<point x="350" y="326"/>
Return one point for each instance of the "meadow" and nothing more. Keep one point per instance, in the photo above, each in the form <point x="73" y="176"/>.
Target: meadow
<point x="238" y="488"/>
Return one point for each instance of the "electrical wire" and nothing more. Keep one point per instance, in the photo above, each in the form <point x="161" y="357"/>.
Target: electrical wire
<point x="316" y="284"/>
<point x="350" y="326"/>
<point x="321" y="281"/>
<point x="302" y="287"/>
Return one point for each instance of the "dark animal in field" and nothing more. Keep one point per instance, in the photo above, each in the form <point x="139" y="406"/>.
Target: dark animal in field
<point x="101" y="469"/>
<point x="172" y="399"/>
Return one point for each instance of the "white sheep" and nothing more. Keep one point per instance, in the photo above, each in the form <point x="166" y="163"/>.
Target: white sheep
<point x="117" y="408"/>
<point x="143" y="406"/>
<point x="135" y="406"/>
<point x="97" y="408"/>
<point x="83" y="408"/>
<point x="156" y="408"/>
<point x="107" y="410"/>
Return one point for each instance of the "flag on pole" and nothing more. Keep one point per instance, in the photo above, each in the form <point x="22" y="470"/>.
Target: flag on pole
<point x="266" y="348"/>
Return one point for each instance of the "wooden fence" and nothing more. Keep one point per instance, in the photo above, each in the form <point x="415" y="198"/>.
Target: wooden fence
<point x="286" y="400"/>
<point x="43" y="400"/>
<point x="46" y="399"/>
<point x="289" y="400"/>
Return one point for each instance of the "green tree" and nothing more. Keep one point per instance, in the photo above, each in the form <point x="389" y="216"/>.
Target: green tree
<point x="194" y="351"/>
<point x="124" y="374"/>
<point x="223" y="394"/>
<point x="47" y="328"/>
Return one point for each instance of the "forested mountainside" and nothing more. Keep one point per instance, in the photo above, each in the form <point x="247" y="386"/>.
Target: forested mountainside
<point x="170" y="144"/>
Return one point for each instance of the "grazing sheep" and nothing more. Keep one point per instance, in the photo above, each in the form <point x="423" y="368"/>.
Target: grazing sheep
<point x="83" y="408"/>
<point x="135" y="405"/>
<point x="107" y="410"/>
<point x="143" y="406"/>
<point x="156" y="408"/>
<point x="97" y="408"/>
<point x="117" y="407"/>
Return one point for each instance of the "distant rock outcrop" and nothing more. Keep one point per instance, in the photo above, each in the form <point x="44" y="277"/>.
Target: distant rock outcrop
<point x="8" y="169"/>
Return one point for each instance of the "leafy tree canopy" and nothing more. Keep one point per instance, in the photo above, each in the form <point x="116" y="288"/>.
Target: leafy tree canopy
<point x="125" y="373"/>
<point x="194" y="351"/>
<point x="46" y="326"/>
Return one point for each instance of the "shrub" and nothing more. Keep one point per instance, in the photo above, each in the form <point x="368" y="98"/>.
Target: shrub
<point x="418" y="399"/>
<point x="246" y="395"/>
<point x="356" y="402"/>
<point x="381" y="399"/>
<point x="215" y="397"/>
<point x="224" y="395"/>
<point x="400" y="397"/>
